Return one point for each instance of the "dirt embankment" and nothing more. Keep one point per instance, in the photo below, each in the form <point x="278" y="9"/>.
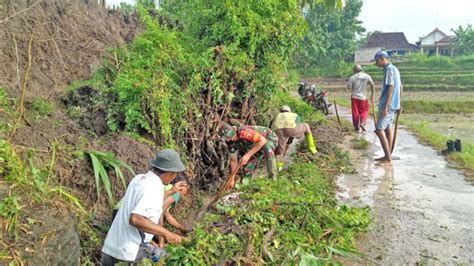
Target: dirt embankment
<point x="68" y="41"/>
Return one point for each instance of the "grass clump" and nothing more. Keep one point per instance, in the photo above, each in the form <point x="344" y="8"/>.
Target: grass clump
<point x="360" y="144"/>
<point x="7" y="111"/>
<point x="41" y="108"/>
<point x="9" y="210"/>
<point x="101" y="161"/>
<point x="289" y="221"/>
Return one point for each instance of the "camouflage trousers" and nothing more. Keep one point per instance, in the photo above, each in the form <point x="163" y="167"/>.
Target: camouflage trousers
<point x="267" y="152"/>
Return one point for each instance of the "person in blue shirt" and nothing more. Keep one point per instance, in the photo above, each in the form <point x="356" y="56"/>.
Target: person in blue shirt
<point x="389" y="104"/>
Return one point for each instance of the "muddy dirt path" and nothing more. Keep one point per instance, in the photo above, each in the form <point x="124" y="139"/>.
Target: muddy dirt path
<point x="423" y="210"/>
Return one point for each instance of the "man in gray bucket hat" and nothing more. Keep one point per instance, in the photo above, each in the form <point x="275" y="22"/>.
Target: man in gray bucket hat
<point x="136" y="222"/>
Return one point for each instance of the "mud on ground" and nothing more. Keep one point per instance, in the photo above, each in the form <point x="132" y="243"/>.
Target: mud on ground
<point x="422" y="211"/>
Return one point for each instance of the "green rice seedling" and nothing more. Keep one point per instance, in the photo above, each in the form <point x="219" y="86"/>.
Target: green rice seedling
<point x="101" y="160"/>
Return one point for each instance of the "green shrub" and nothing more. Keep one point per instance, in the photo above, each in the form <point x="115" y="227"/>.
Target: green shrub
<point x="284" y="222"/>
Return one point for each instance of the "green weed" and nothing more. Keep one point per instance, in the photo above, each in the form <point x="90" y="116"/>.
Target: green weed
<point x="289" y="221"/>
<point x="100" y="162"/>
<point x="360" y="144"/>
<point x="41" y="108"/>
<point x="63" y="192"/>
<point x="11" y="166"/>
<point x="7" y="111"/>
<point x="9" y="211"/>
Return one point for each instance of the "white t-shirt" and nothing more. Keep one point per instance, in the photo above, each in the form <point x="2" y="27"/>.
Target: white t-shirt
<point x="144" y="196"/>
<point x="358" y="85"/>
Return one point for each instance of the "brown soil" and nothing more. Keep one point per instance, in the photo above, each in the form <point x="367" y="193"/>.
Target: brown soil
<point x="69" y="39"/>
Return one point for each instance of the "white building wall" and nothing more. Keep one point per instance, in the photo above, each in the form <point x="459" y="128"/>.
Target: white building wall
<point x="364" y="55"/>
<point x="432" y="38"/>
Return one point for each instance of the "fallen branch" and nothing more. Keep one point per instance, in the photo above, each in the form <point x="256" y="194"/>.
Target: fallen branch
<point x="17" y="62"/>
<point x="329" y="231"/>
<point x="53" y="162"/>
<point x="21" y="107"/>
<point x="268" y="236"/>
<point x="225" y="187"/>
<point x="299" y="203"/>
<point x="19" y="12"/>
<point x="250" y="247"/>
<point x="303" y="222"/>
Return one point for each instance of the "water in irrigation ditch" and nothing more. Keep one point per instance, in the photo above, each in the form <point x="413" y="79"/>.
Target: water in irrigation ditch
<point x="423" y="210"/>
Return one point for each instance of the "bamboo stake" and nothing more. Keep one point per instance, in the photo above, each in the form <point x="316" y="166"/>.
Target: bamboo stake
<point x="395" y="132"/>
<point x="337" y="113"/>
<point x="373" y="113"/>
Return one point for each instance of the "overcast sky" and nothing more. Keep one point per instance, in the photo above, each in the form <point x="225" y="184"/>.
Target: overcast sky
<point x="415" y="18"/>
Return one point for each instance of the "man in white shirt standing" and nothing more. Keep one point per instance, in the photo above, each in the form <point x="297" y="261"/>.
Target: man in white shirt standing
<point x="360" y="105"/>
<point x="136" y="222"/>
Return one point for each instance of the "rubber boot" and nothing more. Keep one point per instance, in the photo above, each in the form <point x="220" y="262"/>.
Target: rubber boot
<point x="457" y="145"/>
<point x="310" y="140"/>
<point x="280" y="166"/>
<point x="450" y="145"/>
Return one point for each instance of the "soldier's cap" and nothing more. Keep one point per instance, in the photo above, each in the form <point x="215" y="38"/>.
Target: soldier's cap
<point x="168" y="160"/>
<point x="227" y="130"/>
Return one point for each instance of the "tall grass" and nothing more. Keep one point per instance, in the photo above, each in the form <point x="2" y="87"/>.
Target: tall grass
<point x="100" y="162"/>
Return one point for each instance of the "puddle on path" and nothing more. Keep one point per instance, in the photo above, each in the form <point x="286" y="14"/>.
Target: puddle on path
<point x="423" y="211"/>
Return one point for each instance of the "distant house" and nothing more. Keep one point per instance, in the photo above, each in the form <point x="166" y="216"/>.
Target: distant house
<point x="437" y="43"/>
<point x="395" y="43"/>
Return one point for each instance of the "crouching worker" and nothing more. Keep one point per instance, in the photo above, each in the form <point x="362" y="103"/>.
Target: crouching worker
<point x="288" y="125"/>
<point x="136" y="222"/>
<point x="172" y="201"/>
<point x="252" y="144"/>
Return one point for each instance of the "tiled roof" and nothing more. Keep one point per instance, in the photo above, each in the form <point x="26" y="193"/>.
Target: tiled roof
<point x="390" y="41"/>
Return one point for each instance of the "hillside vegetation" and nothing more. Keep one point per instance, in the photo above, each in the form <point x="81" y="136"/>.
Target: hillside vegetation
<point x="79" y="118"/>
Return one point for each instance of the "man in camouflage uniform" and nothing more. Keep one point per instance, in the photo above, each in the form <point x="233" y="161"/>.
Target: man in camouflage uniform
<point x="252" y="144"/>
